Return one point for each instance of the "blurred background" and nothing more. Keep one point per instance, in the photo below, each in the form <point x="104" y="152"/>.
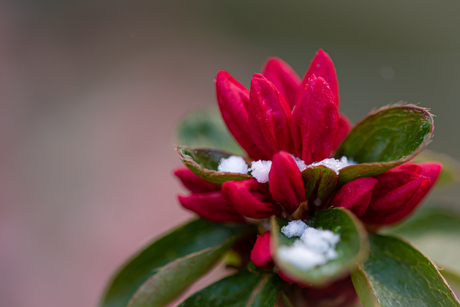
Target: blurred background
<point x="91" y="92"/>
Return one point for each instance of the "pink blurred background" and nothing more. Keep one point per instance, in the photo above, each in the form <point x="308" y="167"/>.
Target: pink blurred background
<point x="90" y="94"/>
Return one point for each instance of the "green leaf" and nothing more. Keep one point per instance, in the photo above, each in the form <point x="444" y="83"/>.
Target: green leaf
<point x="239" y="290"/>
<point x="204" y="162"/>
<point x="172" y="279"/>
<point x="433" y="231"/>
<point x="396" y="274"/>
<point x="453" y="278"/>
<point x="190" y="238"/>
<point x="352" y="247"/>
<point x="451" y="168"/>
<point x="206" y="128"/>
<point x="320" y="183"/>
<point x="385" y="139"/>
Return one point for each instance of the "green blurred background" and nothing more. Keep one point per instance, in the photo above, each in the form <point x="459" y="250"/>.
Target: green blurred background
<point x="90" y="93"/>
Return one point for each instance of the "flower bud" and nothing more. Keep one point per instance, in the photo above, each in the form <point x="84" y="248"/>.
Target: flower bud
<point x="285" y="182"/>
<point x="261" y="254"/>
<point x="269" y="117"/>
<point x="233" y="99"/>
<point x="315" y="122"/>
<point x="250" y="198"/>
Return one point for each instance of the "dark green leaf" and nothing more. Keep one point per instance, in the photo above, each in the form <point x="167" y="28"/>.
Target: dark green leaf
<point x="204" y="162"/>
<point x="396" y="274"/>
<point x="320" y="182"/>
<point x="434" y="231"/>
<point x="239" y="290"/>
<point x="451" y="168"/>
<point x="193" y="237"/>
<point x="385" y="139"/>
<point x="352" y="247"/>
<point x="172" y="279"/>
<point x="206" y="128"/>
<point x="269" y="294"/>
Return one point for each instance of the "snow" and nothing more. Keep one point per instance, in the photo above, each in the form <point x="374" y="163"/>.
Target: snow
<point x="319" y="240"/>
<point x="294" y="229"/>
<point x="300" y="163"/>
<point x="300" y="256"/>
<point x="334" y="164"/>
<point x="233" y="164"/>
<point x="315" y="246"/>
<point x="260" y="170"/>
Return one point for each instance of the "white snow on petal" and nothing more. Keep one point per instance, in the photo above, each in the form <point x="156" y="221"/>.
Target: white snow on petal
<point x="260" y="170"/>
<point x="233" y="164"/>
<point x="315" y="246"/>
<point x="334" y="164"/>
<point x="294" y="229"/>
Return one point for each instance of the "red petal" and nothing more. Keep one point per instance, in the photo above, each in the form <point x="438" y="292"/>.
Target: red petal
<point x="194" y="183"/>
<point x="315" y="122"/>
<point x="345" y="127"/>
<point x="396" y="198"/>
<point x="269" y="117"/>
<point x="431" y="170"/>
<point x="211" y="206"/>
<point x="322" y="66"/>
<point x="284" y="78"/>
<point x="250" y="198"/>
<point x="395" y="178"/>
<point x="261" y="254"/>
<point x="396" y="194"/>
<point x="409" y="206"/>
<point x="233" y="99"/>
<point x="285" y="182"/>
<point x="355" y="195"/>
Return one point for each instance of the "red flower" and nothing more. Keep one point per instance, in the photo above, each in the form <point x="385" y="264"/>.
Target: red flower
<point x="283" y="115"/>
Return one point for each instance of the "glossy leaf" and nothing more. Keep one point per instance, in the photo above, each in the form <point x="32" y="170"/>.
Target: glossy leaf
<point x="204" y="162"/>
<point x="385" y="139"/>
<point x="434" y="231"/>
<point x="206" y="128"/>
<point x="320" y="183"/>
<point x="243" y="289"/>
<point x="397" y="274"/>
<point x="190" y="238"/>
<point x="352" y="247"/>
<point x="450" y="173"/>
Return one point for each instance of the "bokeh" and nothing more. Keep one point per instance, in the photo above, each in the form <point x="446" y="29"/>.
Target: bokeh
<point x="91" y="92"/>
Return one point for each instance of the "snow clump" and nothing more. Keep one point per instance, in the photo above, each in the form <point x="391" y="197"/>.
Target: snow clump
<point x="260" y="170"/>
<point x="315" y="246"/>
<point x="233" y="164"/>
